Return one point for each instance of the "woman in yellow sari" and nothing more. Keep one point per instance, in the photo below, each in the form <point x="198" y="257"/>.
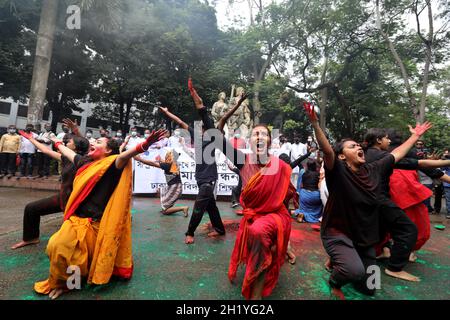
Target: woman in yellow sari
<point x="95" y="238"/>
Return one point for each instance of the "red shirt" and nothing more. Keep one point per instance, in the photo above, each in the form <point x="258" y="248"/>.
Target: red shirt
<point x="237" y="143"/>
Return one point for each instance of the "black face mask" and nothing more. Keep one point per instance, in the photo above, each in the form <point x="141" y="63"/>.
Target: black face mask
<point x="28" y="129"/>
<point x="296" y="141"/>
<point x="103" y="135"/>
<point x="65" y="130"/>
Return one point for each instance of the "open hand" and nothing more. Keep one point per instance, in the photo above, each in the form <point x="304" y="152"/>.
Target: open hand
<point x="197" y="100"/>
<point x="420" y="129"/>
<point x="309" y="108"/>
<point x="73" y="125"/>
<point x="155" y="136"/>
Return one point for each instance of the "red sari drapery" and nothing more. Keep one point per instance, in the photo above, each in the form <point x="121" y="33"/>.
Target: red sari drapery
<point x="263" y="235"/>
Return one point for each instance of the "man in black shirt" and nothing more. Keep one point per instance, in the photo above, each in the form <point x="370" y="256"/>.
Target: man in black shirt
<point x="350" y="220"/>
<point x="206" y="176"/>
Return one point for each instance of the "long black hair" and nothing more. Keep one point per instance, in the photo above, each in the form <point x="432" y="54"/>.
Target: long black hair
<point x="373" y="135"/>
<point x="81" y="144"/>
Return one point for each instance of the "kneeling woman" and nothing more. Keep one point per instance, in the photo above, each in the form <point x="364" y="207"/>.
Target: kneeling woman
<point x="171" y="193"/>
<point x="263" y="236"/>
<point x="96" y="234"/>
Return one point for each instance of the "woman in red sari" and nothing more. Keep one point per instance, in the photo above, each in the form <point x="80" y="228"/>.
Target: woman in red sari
<point x="263" y="236"/>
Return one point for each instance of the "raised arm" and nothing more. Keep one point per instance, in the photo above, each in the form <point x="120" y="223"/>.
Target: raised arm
<point x="66" y="152"/>
<point x="174" y="118"/>
<point x="44" y="149"/>
<point x="425" y="163"/>
<point x="236" y="156"/>
<point x="147" y="162"/>
<point x="296" y="162"/>
<point x="73" y="126"/>
<point x="328" y="152"/>
<point x="230" y="112"/>
<point x="416" y="133"/>
<point x="123" y="158"/>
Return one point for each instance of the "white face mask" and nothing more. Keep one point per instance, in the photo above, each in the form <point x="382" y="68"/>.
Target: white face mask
<point x="88" y="135"/>
<point x="237" y="135"/>
<point x="119" y="134"/>
<point x="12" y="131"/>
<point x="309" y="140"/>
<point x="134" y="133"/>
<point x="146" y="136"/>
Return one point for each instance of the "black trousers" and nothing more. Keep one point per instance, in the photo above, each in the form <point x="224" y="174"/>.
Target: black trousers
<point x="403" y="232"/>
<point x="43" y="162"/>
<point x="26" y="164"/>
<point x="34" y="211"/>
<point x="438" y="193"/>
<point x="349" y="262"/>
<point x="8" y="163"/>
<point x="236" y="191"/>
<point x="205" y="201"/>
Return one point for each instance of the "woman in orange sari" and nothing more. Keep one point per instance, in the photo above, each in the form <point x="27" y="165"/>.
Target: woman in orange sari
<point x="263" y="236"/>
<point x="95" y="237"/>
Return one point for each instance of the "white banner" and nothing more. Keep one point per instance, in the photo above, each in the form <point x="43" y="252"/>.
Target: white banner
<point x="149" y="179"/>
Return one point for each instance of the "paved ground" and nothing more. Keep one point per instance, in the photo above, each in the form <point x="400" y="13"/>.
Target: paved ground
<point x="165" y="268"/>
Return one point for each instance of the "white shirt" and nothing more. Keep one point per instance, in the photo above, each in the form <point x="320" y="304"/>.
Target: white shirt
<point x="61" y="135"/>
<point x="286" y="148"/>
<point x="45" y="136"/>
<point x="174" y="142"/>
<point x="298" y="150"/>
<point x="133" y="142"/>
<point x="26" y="146"/>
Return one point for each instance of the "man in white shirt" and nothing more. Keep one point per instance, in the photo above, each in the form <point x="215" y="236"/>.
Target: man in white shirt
<point x="27" y="151"/>
<point x="43" y="160"/>
<point x="298" y="149"/>
<point x="132" y="140"/>
<point x="176" y="141"/>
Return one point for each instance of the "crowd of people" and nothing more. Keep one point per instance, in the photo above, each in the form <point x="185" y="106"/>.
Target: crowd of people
<point x="366" y="196"/>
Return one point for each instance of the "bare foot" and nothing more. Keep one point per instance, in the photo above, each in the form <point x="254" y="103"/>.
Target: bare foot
<point x="292" y="258"/>
<point x="55" y="293"/>
<point x="337" y="294"/>
<point x="24" y="243"/>
<point x="186" y="212"/>
<point x="328" y="266"/>
<point x="214" y="234"/>
<point x="412" y="257"/>
<point x="402" y="275"/>
<point x="189" y="240"/>
<point x="386" y="254"/>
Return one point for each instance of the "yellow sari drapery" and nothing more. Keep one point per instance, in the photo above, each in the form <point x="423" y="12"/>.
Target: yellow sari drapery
<point x="104" y="248"/>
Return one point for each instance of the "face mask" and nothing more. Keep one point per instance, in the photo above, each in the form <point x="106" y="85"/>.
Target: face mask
<point x="28" y="129"/>
<point x="65" y="130"/>
<point x="146" y="136"/>
<point x="103" y="135"/>
<point x="12" y="131"/>
<point x="119" y="134"/>
<point x="296" y="140"/>
<point x="237" y="136"/>
<point x="88" y="135"/>
<point x="309" y="140"/>
<point x="134" y="133"/>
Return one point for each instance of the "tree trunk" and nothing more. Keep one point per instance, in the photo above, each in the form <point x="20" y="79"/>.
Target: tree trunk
<point x="323" y="107"/>
<point x="42" y="61"/>
<point x="256" y="103"/>
<point x="398" y="60"/>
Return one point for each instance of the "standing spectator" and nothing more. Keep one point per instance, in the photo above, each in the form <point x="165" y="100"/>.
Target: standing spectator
<point x="27" y="151"/>
<point x="446" y="185"/>
<point x="236" y="141"/>
<point x="9" y="149"/>
<point x="89" y="136"/>
<point x="298" y="149"/>
<point x="422" y="152"/>
<point x="131" y="141"/>
<point x="65" y="130"/>
<point x="119" y="137"/>
<point x="176" y="141"/>
<point x="43" y="160"/>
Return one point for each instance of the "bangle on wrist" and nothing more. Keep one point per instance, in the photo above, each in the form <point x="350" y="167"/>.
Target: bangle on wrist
<point x="57" y="144"/>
